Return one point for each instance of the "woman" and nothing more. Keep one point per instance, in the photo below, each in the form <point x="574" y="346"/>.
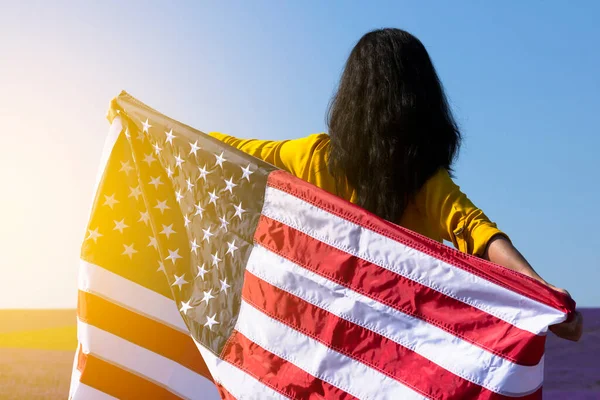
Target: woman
<point x="391" y="144"/>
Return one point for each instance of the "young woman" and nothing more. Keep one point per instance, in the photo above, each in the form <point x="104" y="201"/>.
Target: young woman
<point x="391" y="144"/>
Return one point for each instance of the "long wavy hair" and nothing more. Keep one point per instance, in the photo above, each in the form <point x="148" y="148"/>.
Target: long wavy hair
<point x="390" y="125"/>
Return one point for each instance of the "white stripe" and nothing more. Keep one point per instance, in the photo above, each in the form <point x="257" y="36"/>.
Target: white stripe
<point x="238" y="383"/>
<point x="113" y="134"/>
<point x="154" y="367"/>
<point x="97" y="280"/>
<point x="319" y="360"/>
<point x="75" y="374"/>
<point x="85" y="392"/>
<point x="521" y="311"/>
<point x="450" y="352"/>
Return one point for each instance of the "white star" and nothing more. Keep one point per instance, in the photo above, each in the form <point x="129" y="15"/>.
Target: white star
<point x="215" y="259"/>
<point x="203" y="172"/>
<point x="210" y="321"/>
<point x="201" y="271"/>
<point x="190" y="185"/>
<point x="220" y="160"/>
<point x="149" y="159"/>
<point x="178" y="196"/>
<point x="120" y="225"/>
<point x="155" y="181"/>
<point x="194" y="246"/>
<point x="186" y="221"/>
<point x="207" y="235"/>
<point x="179" y="281"/>
<point x="194" y="147"/>
<point x="230" y="185"/>
<point x="238" y="210"/>
<point x="224" y="285"/>
<point x="231" y="247"/>
<point x="129" y="250"/>
<point x="169" y="171"/>
<point x="224" y="223"/>
<point x="208" y="296"/>
<point x="125" y="167"/>
<point x="173" y="255"/>
<point x="110" y="201"/>
<point x="246" y="173"/>
<point x="146" y="126"/>
<point x="199" y="209"/>
<point x="178" y="161"/>
<point x="162" y="206"/>
<point x="157" y="148"/>
<point x="140" y="136"/>
<point x="161" y="267"/>
<point x="213" y="197"/>
<point x="168" y="230"/>
<point x="93" y="234"/>
<point x="185" y="306"/>
<point x="144" y="217"/>
<point x="153" y="242"/>
<point x="170" y="137"/>
<point x="135" y="192"/>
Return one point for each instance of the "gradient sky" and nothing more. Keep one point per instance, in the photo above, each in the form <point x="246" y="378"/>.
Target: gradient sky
<point x="523" y="80"/>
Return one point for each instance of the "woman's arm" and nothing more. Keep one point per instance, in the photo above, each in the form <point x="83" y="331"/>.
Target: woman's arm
<point x="294" y="156"/>
<point x="501" y="251"/>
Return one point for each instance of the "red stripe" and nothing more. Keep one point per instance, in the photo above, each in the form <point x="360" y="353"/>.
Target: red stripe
<point x="117" y="382"/>
<point x="505" y="277"/>
<point x="460" y="319"/>
<point x="225" y="395"/>
<point x="277" y="373"/>
<point x="361" y="344"/>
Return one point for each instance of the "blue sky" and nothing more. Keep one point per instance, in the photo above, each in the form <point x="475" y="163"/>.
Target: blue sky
<point x="522" y="79"/>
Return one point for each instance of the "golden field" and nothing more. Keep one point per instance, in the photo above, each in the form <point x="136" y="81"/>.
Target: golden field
<point x="36" y="353"/>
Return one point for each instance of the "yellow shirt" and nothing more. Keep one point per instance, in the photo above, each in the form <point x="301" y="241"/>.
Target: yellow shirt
<point x="439" y="211"/>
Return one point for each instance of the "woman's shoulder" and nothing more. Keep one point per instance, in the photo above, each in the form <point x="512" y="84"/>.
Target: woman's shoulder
<point x="438" y="189"/>
<point x="320" y="139"/>
<point x="440" y="180"/>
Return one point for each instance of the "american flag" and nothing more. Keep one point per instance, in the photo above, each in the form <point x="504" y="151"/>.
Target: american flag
<point x="206" y="273"/>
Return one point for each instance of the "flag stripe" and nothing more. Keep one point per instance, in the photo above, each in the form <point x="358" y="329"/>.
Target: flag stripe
<point x="239" y="384"/>
<point x="492" y="334"/>
<point x="377" y="335"/>
<point x="130" y="295"/>
<point x="145" y="332"/>
<point x="516" y="309"/>
<point x="85" y="392"/>
<point x="109" y="143"/>
<point x="81" y="391"/>
<point x="118" y="382"/>
<point x="541" y="297"/>
<point x="151" y="366"/>
<point x="276" y="372"/>
<point x="225" y="395"/>
<point x="317" y="359"/>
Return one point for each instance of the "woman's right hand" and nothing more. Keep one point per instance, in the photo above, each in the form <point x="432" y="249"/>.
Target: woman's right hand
<point x="571" y="330"/>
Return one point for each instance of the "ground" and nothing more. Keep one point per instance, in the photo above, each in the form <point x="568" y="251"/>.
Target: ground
<point x="36" y="353"/>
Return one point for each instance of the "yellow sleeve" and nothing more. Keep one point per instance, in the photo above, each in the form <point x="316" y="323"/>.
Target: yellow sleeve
<point x="304" y="157"/>
<point x="458" y="219"/>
